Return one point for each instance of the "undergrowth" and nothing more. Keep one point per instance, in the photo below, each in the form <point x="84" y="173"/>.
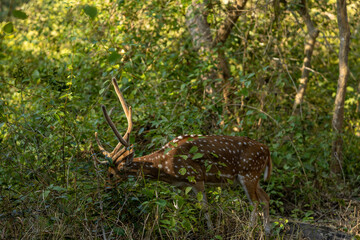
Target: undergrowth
<point x="56" y="62"/>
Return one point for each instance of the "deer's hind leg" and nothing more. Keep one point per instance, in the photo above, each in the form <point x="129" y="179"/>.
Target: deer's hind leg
<point x="200" y="187"/>
<point x="265" y="200"/>
<point x="250" y="188"/>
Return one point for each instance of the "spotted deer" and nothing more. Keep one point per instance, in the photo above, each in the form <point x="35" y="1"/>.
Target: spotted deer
<point x="195" y="160"/>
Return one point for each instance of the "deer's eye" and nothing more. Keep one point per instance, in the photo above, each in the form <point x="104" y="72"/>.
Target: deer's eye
<point x="111" y="175"/>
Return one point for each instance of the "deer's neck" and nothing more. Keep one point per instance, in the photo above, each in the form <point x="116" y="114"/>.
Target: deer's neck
<point x="151" y="165"/>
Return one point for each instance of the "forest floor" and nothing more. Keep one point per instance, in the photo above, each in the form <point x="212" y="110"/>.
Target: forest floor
<point x="341" y="221"/>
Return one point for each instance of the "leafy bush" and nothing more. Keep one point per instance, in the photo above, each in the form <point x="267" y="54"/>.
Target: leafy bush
<point x="57" y="59"/>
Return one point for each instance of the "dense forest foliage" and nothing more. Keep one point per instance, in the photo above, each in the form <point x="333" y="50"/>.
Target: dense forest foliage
<point x="238" y="74"/>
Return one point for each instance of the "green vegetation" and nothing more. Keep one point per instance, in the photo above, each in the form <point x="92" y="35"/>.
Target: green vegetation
<point x="57" y="60"/>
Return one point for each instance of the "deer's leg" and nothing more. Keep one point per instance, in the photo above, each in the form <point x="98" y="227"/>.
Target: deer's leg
<point x="264" y="199"/>
<point x="250" y="188"/>
<point x="200" y="187"/>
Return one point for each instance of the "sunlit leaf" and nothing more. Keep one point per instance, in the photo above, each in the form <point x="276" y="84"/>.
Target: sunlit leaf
<point x="197" y="156"/>
<point x="173" y="144"/>
<point x="199" y="196"/>
<point x="182" y="171"/>
<point x="187" y="190"/>
<point x="191" y="179"/>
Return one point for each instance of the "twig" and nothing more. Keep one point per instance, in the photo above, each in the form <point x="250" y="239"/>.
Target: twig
<point x="259" y="110"/>
<point x="299" y="158"/>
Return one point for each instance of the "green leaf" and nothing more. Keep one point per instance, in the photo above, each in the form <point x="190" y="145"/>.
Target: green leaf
<point x="173" y="144"/>
<point x="215" y="155"/>
<point x="208" y="167"/>
<point x="187" y="190"/>
<point x="19" y="14"/>
<point x="58" y="188"/>
<point x="57" y="116"/>
<point x="222" y="164"/>
<point x="91" y="11"/>
<point x="165" y="221"/>
<point x="161" y="202"/>
<point x="197" y="156"/>
<point x="168" y="150"/>
<point x="185" y="157"/>
<point x="191" y="179"/>
<point x="101" y="91"/>
<point x="35" y="74"/>
<point x="193" y="149"/>
<point x="230" y="182"/>
<point x="8" y="28"/>
<point x="199" y="196"/>
<point x="45" y="193"/>
<point x="250" y="75"/>
<point x="262" y="116"/>
<point x="182" y="171"/>
<point x="114" y="56"/>
<point x="187" y="225"/>
<point x="249" y="112"/>
<point x="141" y="131"/>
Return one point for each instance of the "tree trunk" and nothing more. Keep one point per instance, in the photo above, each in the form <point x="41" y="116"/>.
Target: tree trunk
<point x="310" y="41"/>
<point x="338" y="117"/>
<point x="198" y="26"/>
<point x="358" y="102"/>
<point x="201" y="35"/>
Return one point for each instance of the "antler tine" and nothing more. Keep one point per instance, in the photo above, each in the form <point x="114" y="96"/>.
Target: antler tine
<point x="102" y="149"/>
<point x="116" y="149"/>
<point x="112" y="125"/>
<point x="127" y="109"/>
<point x="130" y="125"/>
<point x="118" y="154"/>
<point x="120" y="96"/>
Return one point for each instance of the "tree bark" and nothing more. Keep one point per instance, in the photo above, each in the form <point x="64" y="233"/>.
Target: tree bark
<point x="338" y="117"/>
<point x="199" y="28"/>
<point x="203" y="41"/>
<point x="222" y="35"/>
<point x="358" y="102"/>
<point x="310" y="41"/>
